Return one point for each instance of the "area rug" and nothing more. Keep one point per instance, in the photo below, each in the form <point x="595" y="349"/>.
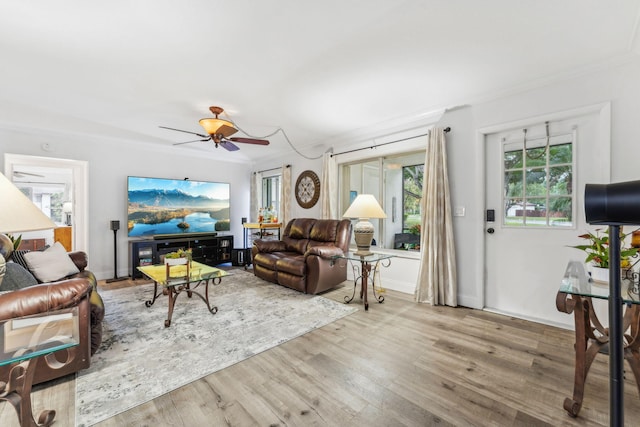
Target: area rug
<point x="140" y="359"/>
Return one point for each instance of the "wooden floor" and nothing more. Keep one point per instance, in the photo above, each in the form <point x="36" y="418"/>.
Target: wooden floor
<point x="399" y="364"/>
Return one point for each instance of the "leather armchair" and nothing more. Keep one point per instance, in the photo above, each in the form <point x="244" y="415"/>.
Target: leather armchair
<point x="301" y="260"/>
<point x="47" y="299"/>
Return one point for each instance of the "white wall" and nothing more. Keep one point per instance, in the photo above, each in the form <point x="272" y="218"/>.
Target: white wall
<point x="110" y="162"/>
<point x="298" y="164"/>
<point x="619" y="84"/>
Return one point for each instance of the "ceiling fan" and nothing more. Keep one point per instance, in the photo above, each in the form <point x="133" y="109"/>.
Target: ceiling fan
<point x="219" y="130"/>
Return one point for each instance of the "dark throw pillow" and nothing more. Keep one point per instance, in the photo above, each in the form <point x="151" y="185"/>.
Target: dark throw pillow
<point x="17" y="277"/>
<point x="18" y="257"/>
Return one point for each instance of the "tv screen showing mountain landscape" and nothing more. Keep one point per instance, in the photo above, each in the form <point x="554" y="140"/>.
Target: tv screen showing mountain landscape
<point x="170" y="206"/>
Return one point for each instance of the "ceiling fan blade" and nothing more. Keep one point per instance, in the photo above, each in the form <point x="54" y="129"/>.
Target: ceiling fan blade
<point x="228" y="145"/>
<point x="189" y="142"/>
<point x="185" y="131"/>
<point x="251" y="141"/>
<point x="226" y="131"/>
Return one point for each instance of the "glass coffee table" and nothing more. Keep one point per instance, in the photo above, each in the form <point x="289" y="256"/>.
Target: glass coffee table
<point x="174" y="280"/>
<point x="22" y="342"/>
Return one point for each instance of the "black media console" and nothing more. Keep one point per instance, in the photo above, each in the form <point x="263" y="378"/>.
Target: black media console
<point x="210" y="250"/>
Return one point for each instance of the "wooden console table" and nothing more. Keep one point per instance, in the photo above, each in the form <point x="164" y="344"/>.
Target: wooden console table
<point x="261" y="230"/>
<point x="592" y="337"/>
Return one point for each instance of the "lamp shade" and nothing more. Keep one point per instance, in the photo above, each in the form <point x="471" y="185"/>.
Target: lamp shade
<point x="365" y="206"/>
<point x="218" y="126"/>
<point x="17" y="212"/>
<point x="67" y="207"/>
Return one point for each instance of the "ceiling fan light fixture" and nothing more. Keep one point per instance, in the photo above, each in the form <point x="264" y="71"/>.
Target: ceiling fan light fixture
<point x="213" y="125"/>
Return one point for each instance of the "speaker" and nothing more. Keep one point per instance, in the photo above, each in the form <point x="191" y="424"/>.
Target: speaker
<point x="114" y="225"/>
<point x="244" y="219"/>
<point x="240" y="257"/>
<point x="612" y="204"/>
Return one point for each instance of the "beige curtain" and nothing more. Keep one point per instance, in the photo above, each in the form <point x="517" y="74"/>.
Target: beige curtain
<point x="285" y="196"/>
<point x="255" y="201"/>
<point x="329" y="188"/>
<point x="437" y="282"/>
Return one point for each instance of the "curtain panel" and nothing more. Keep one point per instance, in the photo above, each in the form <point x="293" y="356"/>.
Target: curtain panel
<point x="329" y="188"/>
<point x="255" y="202"/>
<point x="437" y="277"/>
<point x="284" y="211"/>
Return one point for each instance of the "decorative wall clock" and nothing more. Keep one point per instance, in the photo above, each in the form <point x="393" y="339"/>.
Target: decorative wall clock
<point x="307" y="189"/>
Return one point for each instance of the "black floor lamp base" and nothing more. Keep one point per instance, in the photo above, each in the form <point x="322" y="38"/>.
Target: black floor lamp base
<point x="115" y="225"/>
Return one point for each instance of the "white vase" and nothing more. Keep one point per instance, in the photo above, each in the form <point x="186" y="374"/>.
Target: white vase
<point x="176" y="261"/>
<point x="599" y="274"/>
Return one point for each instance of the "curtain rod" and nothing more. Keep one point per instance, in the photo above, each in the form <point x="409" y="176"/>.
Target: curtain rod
<point x="272" y="169"/>
<point x="446" y="130"/>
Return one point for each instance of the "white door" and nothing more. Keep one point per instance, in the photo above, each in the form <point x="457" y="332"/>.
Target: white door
<point x="526" y="244"/>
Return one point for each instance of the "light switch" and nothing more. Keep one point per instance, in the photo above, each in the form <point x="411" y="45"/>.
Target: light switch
<point x="458" y="211"/>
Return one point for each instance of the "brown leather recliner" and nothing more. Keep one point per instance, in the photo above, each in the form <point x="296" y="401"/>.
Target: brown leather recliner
<point x="47" y="299"/>
<point x="302" y="258"/>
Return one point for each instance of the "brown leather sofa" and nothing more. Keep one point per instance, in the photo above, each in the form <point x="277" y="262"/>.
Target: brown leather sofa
<point x="79" y="289"/>
<point x="301" y="260"/>
<point x="47" y="299"/>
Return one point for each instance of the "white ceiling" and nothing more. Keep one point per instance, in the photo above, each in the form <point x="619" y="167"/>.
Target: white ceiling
<point x="318" y="69"/>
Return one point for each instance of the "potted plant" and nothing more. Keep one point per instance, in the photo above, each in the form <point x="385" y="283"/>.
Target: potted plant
<point x="179" y="257"/>
<point x="597" y="250"/>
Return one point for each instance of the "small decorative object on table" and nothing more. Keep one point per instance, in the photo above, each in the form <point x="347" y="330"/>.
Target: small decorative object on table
<point x="597" y="251"/>
<point x="179" y="257"/>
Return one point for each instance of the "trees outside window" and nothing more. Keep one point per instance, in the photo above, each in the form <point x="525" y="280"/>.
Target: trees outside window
<point x="538" y="185"/>
<point x="396" y="182"/>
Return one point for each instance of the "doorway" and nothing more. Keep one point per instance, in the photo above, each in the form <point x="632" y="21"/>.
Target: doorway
<point x="61" y="185"/>
<point x="526" y="241"/>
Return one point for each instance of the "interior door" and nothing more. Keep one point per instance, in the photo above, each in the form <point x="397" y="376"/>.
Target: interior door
<point x="71" y="174"/>
<point x="526" y="255"/>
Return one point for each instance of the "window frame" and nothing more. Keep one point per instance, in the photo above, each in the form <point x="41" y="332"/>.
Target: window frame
<point x="414" y="157"/>
<point x="267" y="190"/>
<point x="534" y="144"/>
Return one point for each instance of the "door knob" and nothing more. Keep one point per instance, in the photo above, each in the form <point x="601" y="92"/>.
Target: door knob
<point x="490" y="230"/>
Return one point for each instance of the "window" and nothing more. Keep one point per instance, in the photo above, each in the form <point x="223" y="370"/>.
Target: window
<point x="396" y="182"/>
<point x="271" y="186"/>
<point x="538" y="182"/>
<point x="49" y="198"/>
<point x="411" y="197"/>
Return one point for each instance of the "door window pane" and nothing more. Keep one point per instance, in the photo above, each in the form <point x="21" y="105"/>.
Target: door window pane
<point x="538" y="182"/>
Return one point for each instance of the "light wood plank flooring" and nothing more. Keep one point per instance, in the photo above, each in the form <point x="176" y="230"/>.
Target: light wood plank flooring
<point x="400" y="364"/>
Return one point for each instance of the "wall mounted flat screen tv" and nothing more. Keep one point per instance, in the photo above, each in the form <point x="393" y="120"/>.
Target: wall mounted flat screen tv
<point x="159" y="207"/>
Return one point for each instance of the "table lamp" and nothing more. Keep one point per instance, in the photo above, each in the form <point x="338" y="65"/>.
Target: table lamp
<point x="67" y="209"/>
<point x="364" y="207"/>
<point x="18" y="213"/>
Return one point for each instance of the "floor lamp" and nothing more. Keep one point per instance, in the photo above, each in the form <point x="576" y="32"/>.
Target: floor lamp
<point x="615" y="205"/>
<point x="115" y="225"/>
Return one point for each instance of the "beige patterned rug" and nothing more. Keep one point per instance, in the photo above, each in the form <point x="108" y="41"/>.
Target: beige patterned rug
<point x="130" y="368"/>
